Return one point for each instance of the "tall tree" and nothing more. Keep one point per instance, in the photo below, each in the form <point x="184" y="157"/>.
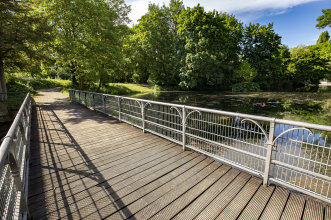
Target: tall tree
<point x="211" y="47"/>
<point x="307" y="68"/>
<point x="325" y="19"/>
<point x="261" y="48"/>
<point x="155" y="39"/>
<point x="88" y="35"/>
<point x="22" y="32"/>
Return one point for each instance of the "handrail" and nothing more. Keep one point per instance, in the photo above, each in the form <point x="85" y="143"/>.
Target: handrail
<point x="14" y="162"/>
<point x="291" y="153"/>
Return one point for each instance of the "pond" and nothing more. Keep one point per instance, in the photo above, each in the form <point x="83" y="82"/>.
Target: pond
<point x="307" y="107"/>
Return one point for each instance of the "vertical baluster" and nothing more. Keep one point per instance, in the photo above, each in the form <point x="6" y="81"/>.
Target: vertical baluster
<point x="184" y="126"/>
<point x="104" y="103"/>
<point x="142" y="106"/>
<point x="269" y="152"/>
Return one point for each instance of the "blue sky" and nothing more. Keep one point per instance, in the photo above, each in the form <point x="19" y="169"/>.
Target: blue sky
<point x="294" y="20"/>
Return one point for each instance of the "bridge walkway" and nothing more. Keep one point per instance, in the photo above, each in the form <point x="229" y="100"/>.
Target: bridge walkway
<point x="85" y="165"/>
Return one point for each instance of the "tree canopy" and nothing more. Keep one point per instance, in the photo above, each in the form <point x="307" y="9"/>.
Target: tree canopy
<point x="172" y="46"/>
<point x="23" y="35"/>
<point x="325" y="19"/>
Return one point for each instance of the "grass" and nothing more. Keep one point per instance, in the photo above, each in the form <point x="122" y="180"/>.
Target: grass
<point x="128" y="89"/>
<point x="23" y="83"/>
<point x="17" y="83"/>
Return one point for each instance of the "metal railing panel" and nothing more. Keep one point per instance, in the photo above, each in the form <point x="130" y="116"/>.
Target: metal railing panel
<point x="14" y="162"/>
<point x="293" y="154"/>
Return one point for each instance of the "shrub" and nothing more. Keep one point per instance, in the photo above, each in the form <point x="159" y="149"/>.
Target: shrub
<point x="246" y="87"/>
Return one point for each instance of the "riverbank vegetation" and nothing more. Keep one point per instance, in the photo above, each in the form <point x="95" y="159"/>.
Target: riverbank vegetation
<point x="172" y="46"/>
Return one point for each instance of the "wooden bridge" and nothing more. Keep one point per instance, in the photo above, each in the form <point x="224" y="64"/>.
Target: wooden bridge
<point x="86" y="165"/>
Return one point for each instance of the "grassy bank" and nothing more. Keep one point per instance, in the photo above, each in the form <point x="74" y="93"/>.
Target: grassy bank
<point x="23" y="83"/>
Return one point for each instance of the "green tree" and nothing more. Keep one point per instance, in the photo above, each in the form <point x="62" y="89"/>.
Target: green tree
<point x="211" y="47"/>
<point x="88" y="36"/>
<point x="324" y="37"/>
<point x="307" y="68"/>
<point x="325" y="19"/>
<point x="23" y="33"/>
<point x="261" y="48"/>
<point x="155" y="46"/>
<point x="245" y="72"/>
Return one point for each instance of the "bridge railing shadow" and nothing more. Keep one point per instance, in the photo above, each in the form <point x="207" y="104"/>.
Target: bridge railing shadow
<point x="56" y="157"/>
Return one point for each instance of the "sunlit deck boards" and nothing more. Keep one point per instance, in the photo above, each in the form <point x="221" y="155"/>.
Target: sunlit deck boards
<point x="86" y="165"/>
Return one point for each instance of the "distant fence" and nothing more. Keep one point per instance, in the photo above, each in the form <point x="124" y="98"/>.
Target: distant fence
<point x="14" y="165"/>
<point x="290" y="153"/>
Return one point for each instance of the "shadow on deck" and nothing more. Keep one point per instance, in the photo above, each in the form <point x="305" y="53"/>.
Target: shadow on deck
<point x="87" y="165"/>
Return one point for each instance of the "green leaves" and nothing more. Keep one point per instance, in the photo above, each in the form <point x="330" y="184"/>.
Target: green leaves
<point x="211" y="47"/>
<point x="88" y="36"/>
<point x="325" y="19"/>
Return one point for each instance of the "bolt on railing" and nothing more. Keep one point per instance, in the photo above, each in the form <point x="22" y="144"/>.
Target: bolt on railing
<point x="294" y="154"/>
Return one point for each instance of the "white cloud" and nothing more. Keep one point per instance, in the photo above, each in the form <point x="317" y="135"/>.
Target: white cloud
<point x="238" y="7"/>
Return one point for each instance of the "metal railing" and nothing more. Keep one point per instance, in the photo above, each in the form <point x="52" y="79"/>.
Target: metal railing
<point x="14" y="165"/>
<point x="290" y="153"/>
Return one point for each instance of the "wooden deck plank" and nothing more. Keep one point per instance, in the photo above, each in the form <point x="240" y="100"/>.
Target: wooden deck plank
<point x="94" y="179"/>
<point x="257" y="204"/>
<point x="235" y="207"/>
<point x="151" y="209"/>
<point x="276" y="205"/>
<point x="83" y="162"/>
<point x="80" y="162"/>
<point x="85" y="165"/>
<point x="185" y="199"/>
<point x="154" y="170"/>
<point x="294" y="207"/>
<point x="133" y="200"/>
<point x="200" y="203"/>
<point x="220" y="202"/>
<point x="313" y="210"/>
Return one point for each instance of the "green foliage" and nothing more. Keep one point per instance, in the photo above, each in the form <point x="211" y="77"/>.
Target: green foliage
<point x="246" y="72"/>
<point x="89" y="43"/>
<point x="154" y="45"/>
<point x="211" y="47"/>
<point x="32" y="84"/>
<point x="324" y="37"/>
<point x="88" y="37"/>
<point x="306" y="68"/>
<point x="23" y="35"/>
<point x="261" y="48"/>
<point x="325" y="19"/>
<point x="246" y="87"/>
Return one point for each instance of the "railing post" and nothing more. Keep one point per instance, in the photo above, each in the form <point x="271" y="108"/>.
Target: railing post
<point x="103" y="103"/>
<point x="184" y="126"/>
<point x="86" y="99"/>
<point x="269" y="152"/>
<point x="119" y="107"/>
<point x="93" y="103"/>
<point x="143" y="115"/>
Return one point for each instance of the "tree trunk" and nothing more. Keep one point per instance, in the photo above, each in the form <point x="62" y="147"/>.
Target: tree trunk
<point x="73" y="74"/>
<point x="100" y="83"/>
<point x="3" y="97"/>
<point x="3" y="88"/>
<point x="101" y="75"/>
